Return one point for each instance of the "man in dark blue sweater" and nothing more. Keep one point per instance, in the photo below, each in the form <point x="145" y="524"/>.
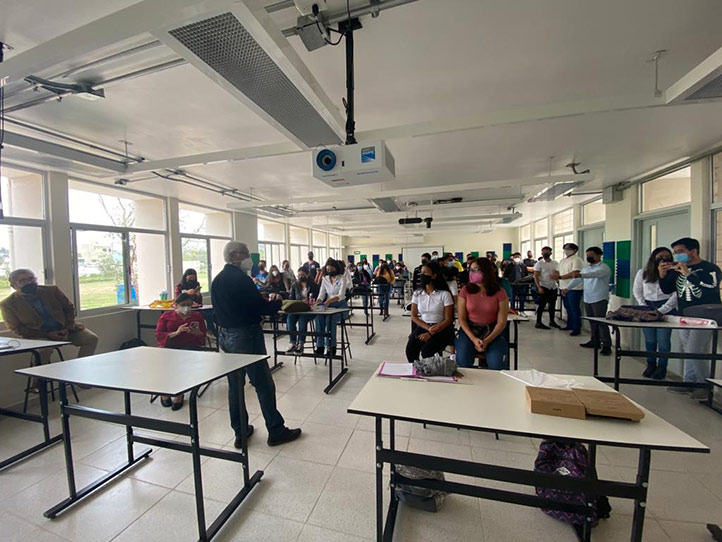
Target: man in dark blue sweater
<point x="696" y="282"/>
<point x="238" y="307"/>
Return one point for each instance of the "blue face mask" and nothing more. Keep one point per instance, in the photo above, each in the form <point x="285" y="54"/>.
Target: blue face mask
<point x="682" y="258"/>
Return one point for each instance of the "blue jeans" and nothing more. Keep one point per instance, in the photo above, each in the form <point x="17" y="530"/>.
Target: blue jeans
<point x="496" y="352"/>
<point x="328" y="324"/>
<point x="657" y="340"/>
<point x="385" y="291"/>
<point x="249" y="340"/>
<point x="573" y="304"/>
<point x="518" y="297"/>
<point x="302" y="321"/>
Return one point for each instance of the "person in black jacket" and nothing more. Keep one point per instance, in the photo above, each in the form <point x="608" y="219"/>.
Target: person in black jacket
<point x="415" y="280"/>
<point x="361" y="280"/>
<point x="238" y="307"/>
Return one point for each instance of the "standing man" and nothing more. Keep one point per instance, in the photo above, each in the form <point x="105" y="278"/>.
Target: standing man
<point x="311" y="267"/>
<point x="514" y="272"/>
<point x="595" y="278"/>
<point x="545" y="274"/>
<point x="571" y="297"/>
<point x="530" y="261"/>
<point x="238" y="308"/>
<point x="696" y="282"/>
<point x="415" y="281"/>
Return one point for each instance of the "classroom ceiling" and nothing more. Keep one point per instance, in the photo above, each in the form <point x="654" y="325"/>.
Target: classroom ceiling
<point x="494" y="95"/>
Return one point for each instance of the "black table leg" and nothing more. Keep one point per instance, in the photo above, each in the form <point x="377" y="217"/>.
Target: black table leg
<point x="617" y="355"/>
<point x="516" y="345"/>
<point x="640" y="505"/>
<point x="595" y="344"/>
<point x="128" y="428"/>
<point x="712" y="368"/>
<point x="379" y="483"/>
<point x="137" y="323"/>
<point x="197" y="474"/>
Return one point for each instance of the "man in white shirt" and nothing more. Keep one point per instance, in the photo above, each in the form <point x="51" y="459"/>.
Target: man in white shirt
<point x="571" y="297"/>
<point x="545" y="272"/>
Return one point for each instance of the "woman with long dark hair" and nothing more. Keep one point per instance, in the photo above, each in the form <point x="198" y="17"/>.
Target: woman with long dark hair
<point x="332" y="294"/>
<point x="483" y="308"/>
<point x="647" y="291"/>
<point x="384" y="278"/>
<point x="432" y="315"/>
<point x="189" y="285"/>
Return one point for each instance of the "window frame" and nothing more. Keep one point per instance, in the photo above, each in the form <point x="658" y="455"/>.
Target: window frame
<point x="209" y="249"/>
<point x="640" y="194"/>
<point x="583" y="217"/>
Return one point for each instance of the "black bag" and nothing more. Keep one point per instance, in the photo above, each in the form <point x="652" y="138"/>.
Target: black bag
<point x="429" y="500"/>
<point x="710" y="312"/>
<point x="132" y="343"/>
<point x="380" y="280"/>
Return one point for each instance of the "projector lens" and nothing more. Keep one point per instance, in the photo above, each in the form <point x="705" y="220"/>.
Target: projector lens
<point x="326" y="160"/>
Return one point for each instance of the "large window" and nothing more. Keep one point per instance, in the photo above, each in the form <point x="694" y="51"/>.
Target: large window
<point x="525" y="238"/>
<point x="593" y="212"/>
<point x="334" y="243"/>
<point x="525" y="247"/>
<point x="541" y="228"/>
<point x="559" y="242"/>
<point x="319" y="246"/>
<point x="539" y="244"/>
<point x="22" y="228"/>
<point x="667" y="191"/>
<point x="271" y="242"/>
<point x="204" y="233"/>
<point x="716" y="178"/>
<point x="717" y="206"/>
<point x="299" y="246"/>
<point x="119" y="246"/>
<point x="563" y="226"/>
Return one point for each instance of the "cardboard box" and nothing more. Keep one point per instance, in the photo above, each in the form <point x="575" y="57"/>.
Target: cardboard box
<point x="554" y="402"/>
<point x="610" y="404"/>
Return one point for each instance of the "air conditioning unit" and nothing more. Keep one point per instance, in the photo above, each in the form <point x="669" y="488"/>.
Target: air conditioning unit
<point x="351" y="165"/>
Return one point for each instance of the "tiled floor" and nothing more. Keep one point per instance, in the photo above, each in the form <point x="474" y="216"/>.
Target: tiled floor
<point x="321" y="487"/>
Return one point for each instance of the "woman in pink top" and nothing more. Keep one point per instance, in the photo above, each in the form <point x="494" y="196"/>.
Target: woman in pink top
<point x="483" y="307"/>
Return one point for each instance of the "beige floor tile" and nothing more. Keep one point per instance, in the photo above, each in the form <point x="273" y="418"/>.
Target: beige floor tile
<point x="360" y="452"/>
<point x="318" y="443"/>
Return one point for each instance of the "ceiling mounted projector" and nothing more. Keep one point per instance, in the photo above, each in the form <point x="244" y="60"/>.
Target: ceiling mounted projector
<point x="351" y="165"/>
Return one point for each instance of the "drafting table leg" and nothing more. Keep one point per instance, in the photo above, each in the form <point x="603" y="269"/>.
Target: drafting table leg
<point x="137" y="323"/>
<point x="379" y="484"/>
<point x="640" y="505"/>
<point x="516" y="345"/>
<point x="712" y="368"/>
<point x="617" y="356"/>
<point x="197" y="475"/>
<point x="128" y="428"/>
<point x="65" y="421"/>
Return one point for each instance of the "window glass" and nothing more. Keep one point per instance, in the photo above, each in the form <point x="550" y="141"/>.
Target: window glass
<point x="20" y="247"/>
<point x="717" y="178"/>
<point x="525" y="232"/>
<point x="298" y="256"/>
<point x="22" y="193"/>
<point x="320" y="254"/>
<point x="538" y="244"/>
<point x="334" y="240"/>
<point x="564" y="221"/>
<point x="271" y="231"/>
<point x="195" y="256"/>
<point x="718" y="237"/>
<point x="559" y="242"/>
<point x="593" y="212"/>
<point x="667" y="191"/>
<point x="541" y="227"/>
<point x="101" y="206"/>
<point x="319" y="238"/>
<point x="101" y="276"/>
<point x="148" y="265"/>
<point x="217" y="261"/>
<point x="525" y="247"/>
<point x="299" y="236"/>
<point x="198" y="220"/>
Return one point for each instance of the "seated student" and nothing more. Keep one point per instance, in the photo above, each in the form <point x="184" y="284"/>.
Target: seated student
<point x="260" y="279"/>
<point x="361" y="280"/>
<point x="333" y="295"/>
<point x="44" y="312"/>
<point x="274" y="284"/>
<point x="432" y="315"/>
<point x="182" y="329"/>
<point x="288" y="275"/>
<point x="189" y="285"/>
<point x="483" y="308"/>
<point x="384" y="278"/>
<point x="450" y="274"/>
<point x="304" y="289"/>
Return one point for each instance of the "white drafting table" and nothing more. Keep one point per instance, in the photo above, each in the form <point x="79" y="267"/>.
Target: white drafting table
<point x="619" y="352"/>
<point x="345" y="345"/>
<point x="493" y="402"/>
<point x="156" y="371"/>
<point x="140" y="309"/>
<point x="33" y="346"/>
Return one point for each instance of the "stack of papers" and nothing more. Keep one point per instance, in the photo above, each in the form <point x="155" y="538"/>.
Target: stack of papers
<point x="408" y="371"/>
<point x="538" y="379"/>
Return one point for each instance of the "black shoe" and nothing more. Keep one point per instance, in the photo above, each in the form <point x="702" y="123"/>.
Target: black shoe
<point x="331" y="352"/>
<point x="287" y="435"/>
<point x="649" y="371"/>
<point x="588" y="344"/>
<point x="575" y="333"/>
<point x="237" y="443"/>
<point x="178" y="405"/>
<point x="659" y="373"/>
<point x="539" y="325"/>
<point x="318" y="351"/>
<point x="166" y="402"/>
<point x="554" y="325"/>
<point x="606" y="351"/>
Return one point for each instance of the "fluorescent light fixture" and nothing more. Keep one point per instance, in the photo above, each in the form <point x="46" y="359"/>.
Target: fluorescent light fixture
<point x="385" y="205"/>
<point x="554" y="191"/>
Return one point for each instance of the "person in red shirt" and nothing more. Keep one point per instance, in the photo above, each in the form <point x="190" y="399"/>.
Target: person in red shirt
<point x="182" y="329"/>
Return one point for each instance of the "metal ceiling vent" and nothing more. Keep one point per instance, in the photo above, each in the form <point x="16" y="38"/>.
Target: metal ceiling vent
<point x="709" y="91"/>
<point x="226" y="46"/>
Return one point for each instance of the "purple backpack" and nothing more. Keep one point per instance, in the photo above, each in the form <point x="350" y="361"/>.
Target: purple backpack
<point x="568" y="459"/>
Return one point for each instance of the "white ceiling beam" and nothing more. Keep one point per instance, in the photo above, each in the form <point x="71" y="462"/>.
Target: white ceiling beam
<point x="53" y="149"/>
<point x="364" y="194"/>
<point x="697" y="77"/>
<point x="116" y="27"/>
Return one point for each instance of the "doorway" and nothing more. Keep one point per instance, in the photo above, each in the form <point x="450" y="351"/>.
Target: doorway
<point x="592" y="237"/>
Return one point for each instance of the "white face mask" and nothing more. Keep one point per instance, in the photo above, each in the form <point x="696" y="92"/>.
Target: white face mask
<point x="183" y="310"/>
<point x="274" y="273"/>
<point x="568" y="252"/>
<point x="247" y="264"/>
<point x="517" y="260"/>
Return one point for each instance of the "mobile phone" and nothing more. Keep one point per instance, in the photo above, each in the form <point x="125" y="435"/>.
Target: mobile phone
<point x="195" y="325"/>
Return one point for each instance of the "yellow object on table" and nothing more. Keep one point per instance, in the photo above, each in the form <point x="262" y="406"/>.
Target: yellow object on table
<point x="162" y="304"/>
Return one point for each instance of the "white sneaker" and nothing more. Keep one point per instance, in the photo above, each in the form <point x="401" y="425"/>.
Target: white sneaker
<point x="291" y="348"/>
<point x="299" y="348"/>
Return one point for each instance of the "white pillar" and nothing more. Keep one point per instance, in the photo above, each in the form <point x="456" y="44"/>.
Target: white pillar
<point x="245" y="230"/>
<point x="61" y="259"/>
<point x="700" y="214"/>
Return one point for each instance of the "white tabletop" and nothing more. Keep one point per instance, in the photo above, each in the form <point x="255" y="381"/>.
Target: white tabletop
<point x="148" y="308"/>
<point x="517" y="317"/>
<point x="26" y="345"/>
<point x="715" y="381"/>
<point x="662" y="325"/>
<point x="163" y="371"/>
<point x="327" y="312"/>
<point x="490" y="400"/>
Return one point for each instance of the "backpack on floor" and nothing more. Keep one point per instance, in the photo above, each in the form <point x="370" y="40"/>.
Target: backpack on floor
<point x="132" y="343"/>
<point x="568" y="459"/>
<point x="428" y="500"/>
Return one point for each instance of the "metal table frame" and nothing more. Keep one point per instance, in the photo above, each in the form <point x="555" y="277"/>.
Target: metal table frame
<point x="345" y="345"/>
<point x="43" y="417"/>
<point x="619" y="352"/>
<point x="129" y="420"/>
<point x="514" y="345"/>
<point x="368" y="314"/>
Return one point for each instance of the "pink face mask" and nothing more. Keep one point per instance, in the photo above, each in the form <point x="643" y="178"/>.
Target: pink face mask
<point x="475" y="277"/>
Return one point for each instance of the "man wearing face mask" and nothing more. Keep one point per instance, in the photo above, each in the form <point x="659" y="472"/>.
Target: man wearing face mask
<point x="545" y="273"/>
<point x="595" y="278"/>
<point x="695" y="282"/>
<point x="44" y="312"/>
<point x="415" y="284"/>
<point x="571" y="297"/>
<point x="514" y="272"/>
<point x="238" y="308"/>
